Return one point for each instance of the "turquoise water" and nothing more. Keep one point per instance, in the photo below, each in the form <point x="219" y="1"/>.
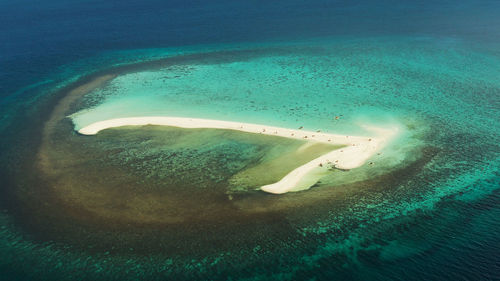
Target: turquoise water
<point x="382" y="223"/>
<point x="375" y="82"/>
<point x="428" y="209"/>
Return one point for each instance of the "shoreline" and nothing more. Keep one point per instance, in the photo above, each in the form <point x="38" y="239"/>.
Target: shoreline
<point x="357" y="150"/>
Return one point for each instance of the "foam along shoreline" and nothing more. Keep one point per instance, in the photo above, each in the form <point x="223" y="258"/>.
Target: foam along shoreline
<point x="357" y="150"/>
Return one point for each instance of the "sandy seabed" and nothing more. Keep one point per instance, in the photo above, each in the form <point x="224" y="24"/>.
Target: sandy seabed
<point x="357" y="150"/>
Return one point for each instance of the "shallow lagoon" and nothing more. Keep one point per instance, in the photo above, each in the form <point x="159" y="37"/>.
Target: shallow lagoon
<point x="450" y="159"/>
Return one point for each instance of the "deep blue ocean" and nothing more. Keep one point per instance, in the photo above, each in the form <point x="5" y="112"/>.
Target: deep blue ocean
<point x="46" y="45"/>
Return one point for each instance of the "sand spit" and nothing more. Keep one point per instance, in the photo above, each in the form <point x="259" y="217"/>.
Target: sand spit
<point x="357" y="150"/>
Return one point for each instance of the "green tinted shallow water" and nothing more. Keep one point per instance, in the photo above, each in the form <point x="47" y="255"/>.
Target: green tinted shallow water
<point x="376" y="80"/>
<point x="431" y="88"/>
<point x="414" y="84"/>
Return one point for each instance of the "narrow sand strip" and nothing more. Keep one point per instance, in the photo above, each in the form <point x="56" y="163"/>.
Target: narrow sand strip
<point x="357" y="151"/>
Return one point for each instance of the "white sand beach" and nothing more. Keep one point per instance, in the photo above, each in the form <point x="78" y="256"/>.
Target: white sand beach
<point x="357" y="150"/>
